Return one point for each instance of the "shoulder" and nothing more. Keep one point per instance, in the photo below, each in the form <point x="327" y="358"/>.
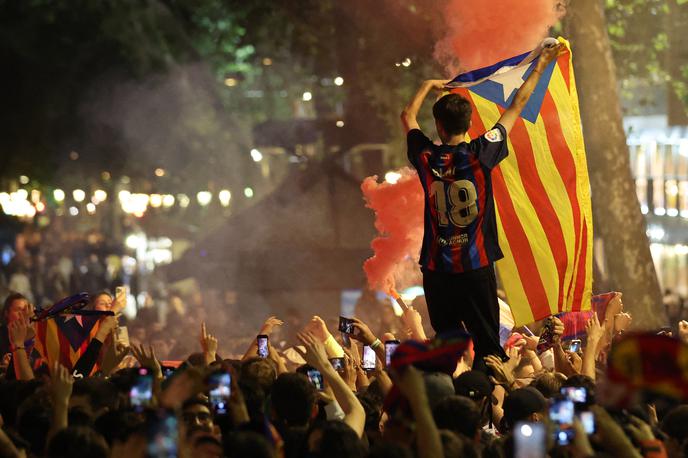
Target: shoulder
<point x="496" y="134"/>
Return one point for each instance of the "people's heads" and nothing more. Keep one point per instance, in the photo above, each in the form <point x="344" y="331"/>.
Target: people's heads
<point x="77" y="442"/>
<point x="293" y="399"/>
<point x="523" y="404"/>
<point x="675" y="425"/>
<point x="260" y="372"/>
<point x="102" y="301"/>
<point x="197" y="415"/>
<point x="334" y="439"/>
<point x="93" y="396"/>
<point x="247" y="444"/>
<point x="474" y="385"/>
<point x="438" y="386"/>
<point x="33" y="419"/>
<point x="581" y="381"/>
<point x="15" y="305"/>
<point x="549" y="384"/>
<point x="452" y="116"/>
<point x="458" y="414"/>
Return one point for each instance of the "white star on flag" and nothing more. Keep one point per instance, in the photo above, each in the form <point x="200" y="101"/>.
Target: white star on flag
<point x="511" y="79"/>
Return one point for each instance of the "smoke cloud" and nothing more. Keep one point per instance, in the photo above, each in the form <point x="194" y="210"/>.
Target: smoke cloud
<point x="399" y="221"/>
<point x="482" y="32"/>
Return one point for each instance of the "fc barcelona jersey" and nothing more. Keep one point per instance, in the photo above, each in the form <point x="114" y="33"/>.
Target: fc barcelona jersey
<point x="460" y="223"/>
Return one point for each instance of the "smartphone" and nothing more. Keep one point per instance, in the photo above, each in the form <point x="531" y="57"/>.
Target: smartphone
<point x="547" y="337"/>
<point x="369" y="358"/>
<point x="167" y="371"/>
<point x="576" y="394"/>
<point x="346" y="340"/>
<point x="219" y="390"/>
<point x="587" y="418"/>
<point x="561" y="413"/>
<point x="162" y="435"/>
<point x="141" y="392"/>
<point x="337" y="363"/>
<point x="346" y="325"/>
<point x="262" y="345"/>
<point x="530" y="440"/>
<point x="574" y="346"/>
<point x="390" y="347"/>
<point x="122" y="336"/>
<point x="316" y="378"/>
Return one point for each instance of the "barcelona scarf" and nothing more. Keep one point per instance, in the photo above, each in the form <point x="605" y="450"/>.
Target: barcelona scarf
<point x="541" y="190"/>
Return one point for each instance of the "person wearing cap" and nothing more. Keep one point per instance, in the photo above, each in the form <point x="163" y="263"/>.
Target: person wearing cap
<point x="523" y="404"/>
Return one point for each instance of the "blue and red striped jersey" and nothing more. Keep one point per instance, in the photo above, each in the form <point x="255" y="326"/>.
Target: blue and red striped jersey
<point x="460" y="223"/>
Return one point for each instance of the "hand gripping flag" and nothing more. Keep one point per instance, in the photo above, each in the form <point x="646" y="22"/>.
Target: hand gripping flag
<point x="541" y="191"/>
<point x="63" y="337"/>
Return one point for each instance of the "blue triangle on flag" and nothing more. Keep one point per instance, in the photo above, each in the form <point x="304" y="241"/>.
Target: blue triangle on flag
<point x="494" y="92"/>
<point x="75" y="333"/>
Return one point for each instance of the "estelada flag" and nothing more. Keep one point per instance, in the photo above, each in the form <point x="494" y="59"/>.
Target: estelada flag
<point x="541" y="190"/>
<point x="65" y="338"/>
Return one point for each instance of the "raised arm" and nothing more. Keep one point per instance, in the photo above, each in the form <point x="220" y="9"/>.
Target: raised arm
<point x="410" y="113"/>
<point x="18" y="331"/>
<point x="512" y="113"/>
<point x="316" y="356"/>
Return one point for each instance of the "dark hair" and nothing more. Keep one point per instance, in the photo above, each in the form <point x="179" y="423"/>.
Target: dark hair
<point x="77" y="442"/>
<point x="549" y="384"/>
<point x="247" y="444"/>
<point x="582" y="381"/>
<point x="259" y="371"/>
<point x="458" y="414"/>
<point x="8" y="302"/>
<point x="293" y="398"/>
<point x="337" y="440"/>
<point x="101" y="393"/>
<point x="453" y="112"/>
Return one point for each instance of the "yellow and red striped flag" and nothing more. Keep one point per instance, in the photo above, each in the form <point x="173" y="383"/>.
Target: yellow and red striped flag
<point x="64" y="338"/>
<point x="541" y="191"/>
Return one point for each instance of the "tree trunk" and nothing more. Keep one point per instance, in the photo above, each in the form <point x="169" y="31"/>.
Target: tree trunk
<point x="619" y="222"/>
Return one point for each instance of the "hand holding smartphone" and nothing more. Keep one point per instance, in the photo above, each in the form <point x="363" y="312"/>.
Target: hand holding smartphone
<point x="141" y="392"/>
<point x="219" y="391"/>
<point x="346" y="325"/>
<point x="369" y="358"/>
<point x="263" y="349"/>
<point x="316" y="378"/>
<point x="390" y="348"/>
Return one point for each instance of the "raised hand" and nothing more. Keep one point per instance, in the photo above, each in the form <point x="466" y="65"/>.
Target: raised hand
<point x="19" y="330"/>
<point x="317" y="328"/>
<point x="107" y="325"/>
<point x="270" y="324"/>
<point x="315" y="353"/>
<point x="549" y="53"/>
<point x="621" y="322"/>
<point x="557" y="329"/>
<point x="147" y="358"/>
<point x="683" y="331"/>
<point x="61" y="382"/>
<point x="363" y="334"/>
<point x="503" y="374"/>
<point x="208" y="344"/>
<point x="413" y="321"/>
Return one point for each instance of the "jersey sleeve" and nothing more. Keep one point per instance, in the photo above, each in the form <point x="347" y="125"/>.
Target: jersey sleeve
<point x="491" y="147"/>
<point x="416" y="142"/>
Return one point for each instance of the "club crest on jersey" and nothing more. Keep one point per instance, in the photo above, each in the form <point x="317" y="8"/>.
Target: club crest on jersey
<point x="494" y="136"/>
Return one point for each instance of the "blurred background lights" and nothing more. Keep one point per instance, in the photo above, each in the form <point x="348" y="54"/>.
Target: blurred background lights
<point x="184" y="200"/>
<point x="248" y="192"/>
<point x="58" y="195"/>
<point x="338" y="81"/>
<point x="204" y="197"/>
<point x="307" y="96"/>
<point x="167" y="200"/>
<point x="159" y="172"/>
<point x="225" y="196"/>
<point x="24" y="179"/>
<point x="79" y="195"/>
<point x="392" y="177"/>
<point x="256" y="155"/>
<point x="155" y="200"/>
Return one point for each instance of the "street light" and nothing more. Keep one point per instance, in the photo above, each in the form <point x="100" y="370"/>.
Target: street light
<point x="204" y="198"/>
<point x="58" y="195"/>
<point x="79" y="195"/>
<point x="256" y="155"/>
<point x="225" y="196"/>
<point x="338" y="81"/>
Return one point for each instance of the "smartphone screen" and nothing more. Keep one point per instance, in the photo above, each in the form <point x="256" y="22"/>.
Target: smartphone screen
<point x="390" y="347"/>
<point x="337" y="363"/>
<point x="346" y="325"/>
<point x="587" y="418"/>
<point x="530" y="440"/>
<point x="219" y="391"/>
<point x="141" y="392"/>
<point x="561" y="413"/>
<point x="162" y="432"/>
<point x="368" y="362"/>
<point x="316" y="379"/>
<point x="122" y="336"/>
<point x="574" y="346"/>
<point x="547" y="337"/>
<point x="577" y="394"/>
<point x="263" y="346"/>
<point x="167" y="371"/>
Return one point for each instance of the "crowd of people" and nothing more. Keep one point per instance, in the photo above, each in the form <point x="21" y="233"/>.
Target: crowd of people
<point x="317" y="398"/>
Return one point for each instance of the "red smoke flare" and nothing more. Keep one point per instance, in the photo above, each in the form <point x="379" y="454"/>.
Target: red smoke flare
<point x="483" y="32"/>
<point x="399" y="221"/>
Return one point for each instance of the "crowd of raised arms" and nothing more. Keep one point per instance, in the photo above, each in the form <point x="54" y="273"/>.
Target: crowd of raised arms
<point x="328" y="394"/>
